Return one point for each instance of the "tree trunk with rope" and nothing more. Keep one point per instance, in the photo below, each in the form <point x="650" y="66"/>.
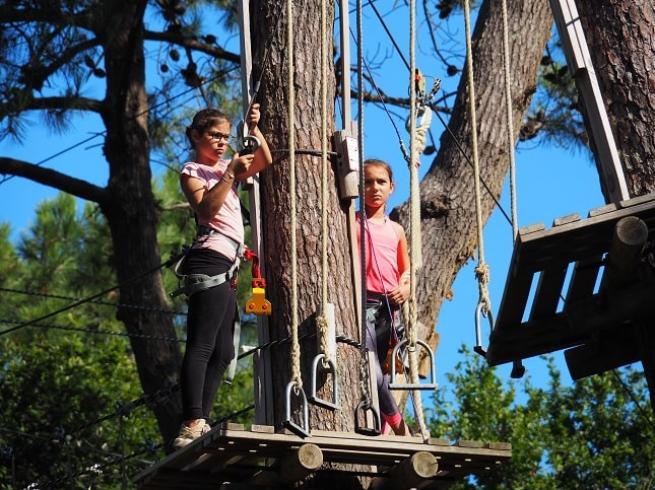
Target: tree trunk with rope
<point x="269" y="24"/>
<point x="447" y="202"/>
<point x="131" y="214"/>
<point x="621" y="37"/>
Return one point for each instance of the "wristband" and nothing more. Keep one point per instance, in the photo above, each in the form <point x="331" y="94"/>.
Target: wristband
<point x="228" y="174"/>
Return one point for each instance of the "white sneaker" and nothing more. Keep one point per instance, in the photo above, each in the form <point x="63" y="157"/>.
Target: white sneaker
<point x="189" y="434"/>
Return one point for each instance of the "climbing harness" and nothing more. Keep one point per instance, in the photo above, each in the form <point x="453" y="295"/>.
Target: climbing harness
<point x="324" y="320"/>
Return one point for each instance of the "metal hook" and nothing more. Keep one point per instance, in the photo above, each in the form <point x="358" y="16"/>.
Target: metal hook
<point x="432" y="385"/>
<point x="479" y="348"/>
<point x="301" y="430"/>
<point x="328" y="366"/>
<point x="365" y="406"/>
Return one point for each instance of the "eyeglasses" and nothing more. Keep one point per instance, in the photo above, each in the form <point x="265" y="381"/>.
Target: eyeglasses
<point x="218" y="136"/>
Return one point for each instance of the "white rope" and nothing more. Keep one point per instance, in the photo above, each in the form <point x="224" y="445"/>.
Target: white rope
<point x="321" y="320"/>
<point x="509" y="121"/>
<point x="415" y="230"/>
<point x="482" y="270"/>
<point x="291" y="95"/>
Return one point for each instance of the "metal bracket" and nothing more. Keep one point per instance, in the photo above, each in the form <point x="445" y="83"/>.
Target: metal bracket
<point x="328" y="366"/>
<point x="393" y="385"/>
<point x="301" y="430"/>
<point x="365" y="407"/>
<point x="479" y="348"/>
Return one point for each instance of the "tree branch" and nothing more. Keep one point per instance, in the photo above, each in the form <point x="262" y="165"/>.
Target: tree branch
<point x="187" y="42"/>
<point x="58" y="180"/>
<point x="51" y="16"/>
<point x="44" y="103"/>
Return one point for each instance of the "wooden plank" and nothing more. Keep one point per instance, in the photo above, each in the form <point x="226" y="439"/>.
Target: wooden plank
<point x="548" y="291"/>
<point x="569" y="218"/>
<point x="526" y="230"/>
<point x="515" y="296"/>
<point x="268" y="429"/>
<point x="583" y="280"/>
<point x="637" y="200"/>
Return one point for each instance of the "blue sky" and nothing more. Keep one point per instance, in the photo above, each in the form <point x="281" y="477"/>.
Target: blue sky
<point x="552" y="181"/>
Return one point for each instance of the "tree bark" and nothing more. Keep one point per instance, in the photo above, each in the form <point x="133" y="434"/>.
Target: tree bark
<point x="621" y="38"/>
<point x="447" y="202"/>
<point x="269" y="33"/>
<point x="131" y="212"/>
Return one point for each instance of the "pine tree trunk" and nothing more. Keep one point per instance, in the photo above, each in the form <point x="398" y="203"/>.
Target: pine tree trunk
<point x="131" y="214"/>
<point x="269" y="23"/>
<point x="621" y="38"/>
<point x="447" y="201"/>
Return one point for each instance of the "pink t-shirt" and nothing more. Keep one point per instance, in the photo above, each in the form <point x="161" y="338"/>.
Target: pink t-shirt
<point x="227" y="221"/>
<point x="382" y="242"/>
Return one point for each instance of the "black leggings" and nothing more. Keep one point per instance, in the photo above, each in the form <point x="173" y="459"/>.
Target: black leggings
<point x="210" y="327"/>
<point x="378" y="335"/>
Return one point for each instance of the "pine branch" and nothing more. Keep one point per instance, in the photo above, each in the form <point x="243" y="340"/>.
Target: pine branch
<point x="187" y="42"/>
<point x="54" y="16"/>
<point x="52" y="178"/>
<point x="57" y="103"/>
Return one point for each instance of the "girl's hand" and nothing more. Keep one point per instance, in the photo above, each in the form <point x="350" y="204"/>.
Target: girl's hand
<point x="252" y="118"/>
<point x="399" y="294"/>
<point x="240" y="163"/>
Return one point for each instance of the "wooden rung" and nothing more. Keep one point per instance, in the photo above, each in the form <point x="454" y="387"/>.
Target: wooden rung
<point x="514" y="300"/>
<point x="583" y="279"/>
<point x="505" y="446"/>
<point x="608" y="208"/>
<point x="526" y="230"/>
<point x="467" y="443"/>
<point x="548" y="292"/>
<point x="569" y="218"/>
<point x="232" y="426"/>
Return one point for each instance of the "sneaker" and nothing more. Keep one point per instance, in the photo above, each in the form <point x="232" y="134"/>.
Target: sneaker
<point x="189" y="434"/>
<point x="206" y="428"/>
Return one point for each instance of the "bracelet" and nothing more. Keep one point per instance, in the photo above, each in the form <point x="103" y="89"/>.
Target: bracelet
<point x="228" y="174"/>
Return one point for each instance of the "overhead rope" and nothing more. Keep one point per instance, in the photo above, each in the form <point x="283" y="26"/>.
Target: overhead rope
<point x="509" y="120"/>
<point x="295" y="386"/>
<point x="415" y="259"/>
<point x="482" y="270"/>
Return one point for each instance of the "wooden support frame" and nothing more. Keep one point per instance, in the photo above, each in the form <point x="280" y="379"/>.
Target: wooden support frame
<point x="579" y="61"/>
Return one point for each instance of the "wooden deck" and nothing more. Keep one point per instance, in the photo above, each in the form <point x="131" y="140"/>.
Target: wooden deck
<point x="255" y="458"/>
<point x="592" y="320"/>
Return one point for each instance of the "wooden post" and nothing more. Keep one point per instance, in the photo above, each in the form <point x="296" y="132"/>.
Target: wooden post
<point x="579" y="61"/>
<point x="301" y="463"/>
<point x="630" y="236"/>
<point x="410" y="473"/>
<point x="262" y="382"/>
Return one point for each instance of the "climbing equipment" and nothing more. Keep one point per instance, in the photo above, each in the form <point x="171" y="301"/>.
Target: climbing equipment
<point x="257" y="303"/>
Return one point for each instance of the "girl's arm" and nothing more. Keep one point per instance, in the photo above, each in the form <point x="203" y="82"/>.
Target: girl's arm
<point x="263" y="156"/>
<point x="399" y="294"/>
<point x="206" y="202"/>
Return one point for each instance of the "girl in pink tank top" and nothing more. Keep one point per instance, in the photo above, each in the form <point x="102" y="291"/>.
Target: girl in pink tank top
<point x="387" y="282"/>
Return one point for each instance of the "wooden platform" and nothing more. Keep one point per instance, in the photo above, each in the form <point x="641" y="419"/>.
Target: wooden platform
<point x="251" y="458"/>
<point x="596" y="323"/>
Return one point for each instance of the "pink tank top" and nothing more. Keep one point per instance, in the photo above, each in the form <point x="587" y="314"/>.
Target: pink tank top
<point x="227" y="221"/>
<point x="382" y="243"/>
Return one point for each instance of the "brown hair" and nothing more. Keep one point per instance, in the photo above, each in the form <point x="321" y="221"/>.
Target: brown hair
<point x="380" y="163"/>
<point x="204" y="119"/>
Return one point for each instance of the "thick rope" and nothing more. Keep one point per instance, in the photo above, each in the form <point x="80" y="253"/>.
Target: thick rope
<point x="321" y="321"/>
<point x="363" y="371"/>
<point x="509" y="120"/>
<point x="482" y="270"/>
<point x="291" y="95"/>
<point x="415" y="230"/>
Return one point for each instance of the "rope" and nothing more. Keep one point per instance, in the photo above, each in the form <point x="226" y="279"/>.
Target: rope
<point x="291" y="95"/>
<point x="509" y="120"/>
<point x="321" y="320"/>
<point x="95" y="296"/>
<point x="415" y="260"/>
<point x="363" y="365"/>
<point x="482" y="270"/>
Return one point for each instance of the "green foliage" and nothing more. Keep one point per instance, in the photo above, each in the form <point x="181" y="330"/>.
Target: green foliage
<point x="589" y="435"/>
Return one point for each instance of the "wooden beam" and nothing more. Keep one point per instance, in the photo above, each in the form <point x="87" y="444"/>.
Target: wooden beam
<point x="548" y="292"/>
<point x="410" y="473"/>
<point x="609" y="351"/>
<point x="647" y="350"/>
<point x="624" y="258"/>
<point x="301" y="463"/>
